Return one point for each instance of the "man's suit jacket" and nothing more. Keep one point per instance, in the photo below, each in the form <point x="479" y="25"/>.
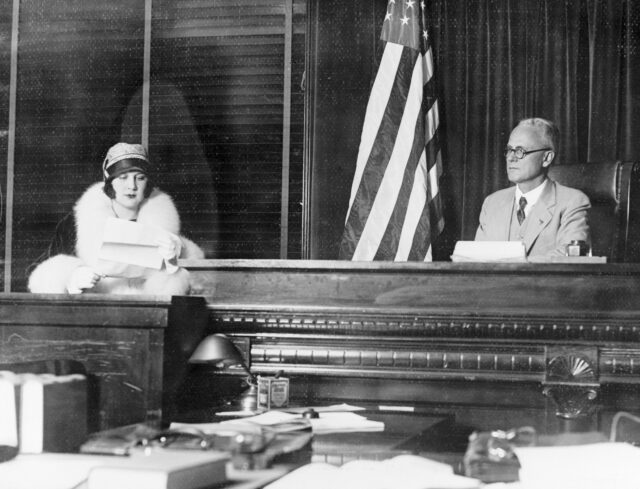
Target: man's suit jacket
<point x="559" y="216"/>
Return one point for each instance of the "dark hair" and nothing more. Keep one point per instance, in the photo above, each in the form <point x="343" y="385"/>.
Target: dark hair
<point x="111" y="193"/>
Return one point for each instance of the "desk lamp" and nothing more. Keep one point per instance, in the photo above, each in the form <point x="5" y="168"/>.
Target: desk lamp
<point x="219" y="350"/>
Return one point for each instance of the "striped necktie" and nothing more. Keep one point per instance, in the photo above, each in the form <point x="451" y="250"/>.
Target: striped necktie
<point x="520" y="213"/>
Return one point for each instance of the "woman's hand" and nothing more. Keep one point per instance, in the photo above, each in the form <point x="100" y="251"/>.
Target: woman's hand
<point x="169" y="248"/>
<point x="82" y="278"/>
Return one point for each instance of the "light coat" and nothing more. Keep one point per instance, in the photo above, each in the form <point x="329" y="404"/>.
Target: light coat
<point x="559" y="216"/>
<point x="91" y="212"/>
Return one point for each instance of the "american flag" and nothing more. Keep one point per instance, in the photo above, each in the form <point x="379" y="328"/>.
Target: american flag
<point x="395" y="209"/>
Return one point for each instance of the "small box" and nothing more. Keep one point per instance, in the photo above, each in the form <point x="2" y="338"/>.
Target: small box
<point x="273" y="392"/>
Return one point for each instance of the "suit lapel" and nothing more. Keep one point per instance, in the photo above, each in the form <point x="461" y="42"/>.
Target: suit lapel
<point x="540" y="215"/>
<point x="504" y="212"/>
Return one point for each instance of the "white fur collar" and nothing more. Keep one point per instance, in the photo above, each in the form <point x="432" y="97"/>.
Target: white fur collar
<point x="94" y="208"/>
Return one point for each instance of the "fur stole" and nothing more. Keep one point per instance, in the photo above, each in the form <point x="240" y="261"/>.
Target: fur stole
<point x="91" y="212"/>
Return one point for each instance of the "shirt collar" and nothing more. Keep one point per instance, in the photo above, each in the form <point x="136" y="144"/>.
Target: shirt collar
<point x="532" y="196"/>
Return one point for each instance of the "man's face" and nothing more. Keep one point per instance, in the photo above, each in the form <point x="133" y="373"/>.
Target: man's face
<point x="527" y="172"/>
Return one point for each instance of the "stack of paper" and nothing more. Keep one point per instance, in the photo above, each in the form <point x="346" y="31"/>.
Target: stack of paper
<point x="327" y="422"/>
<point x="489" y="251"/>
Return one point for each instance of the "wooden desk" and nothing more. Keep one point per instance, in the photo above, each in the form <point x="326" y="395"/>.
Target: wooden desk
<point x="124" y="345"/>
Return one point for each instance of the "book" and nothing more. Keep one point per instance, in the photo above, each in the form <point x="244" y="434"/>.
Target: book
<point x="155" y="468"/>
<point x="52" y="414"/>
<point x="161" y="469"/>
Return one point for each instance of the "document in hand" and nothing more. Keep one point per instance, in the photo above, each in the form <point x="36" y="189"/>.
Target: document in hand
<point x="489" y="251"/>
<point x="405" y="471"/>
<point x="132" y="243"/>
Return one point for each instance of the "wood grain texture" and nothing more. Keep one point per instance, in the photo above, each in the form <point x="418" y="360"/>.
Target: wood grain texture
<point x="117" y="342"/>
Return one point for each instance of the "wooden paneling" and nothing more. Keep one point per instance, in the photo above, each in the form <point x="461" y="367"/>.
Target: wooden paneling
<point x="118" y="343"/>
<point x="216" y="124"/>
<point x="439" y="336"/>
<point x="78" y="64"/>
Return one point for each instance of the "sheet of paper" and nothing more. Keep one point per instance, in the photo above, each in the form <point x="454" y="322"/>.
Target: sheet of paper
<point x="592" y="466"/>
<point x="489" y="251"/>
<point x="328" y="422"/>
<point x="132" y="243"/>
<point x="325" y="409"/>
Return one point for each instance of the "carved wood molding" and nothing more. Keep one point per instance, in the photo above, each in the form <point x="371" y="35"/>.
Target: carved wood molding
<point x="421" y="347"/>
<point x="354" y="323"/>
<point x="420" y="360"/>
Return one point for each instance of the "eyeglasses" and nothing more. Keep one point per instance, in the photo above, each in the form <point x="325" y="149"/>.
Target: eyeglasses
<point x="521" y="152"/>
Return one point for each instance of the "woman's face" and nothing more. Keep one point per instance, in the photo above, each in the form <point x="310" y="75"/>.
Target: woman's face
<point x="129" y="189"/>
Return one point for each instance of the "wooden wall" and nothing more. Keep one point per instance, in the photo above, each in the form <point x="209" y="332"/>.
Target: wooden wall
<point x="217" y="116"/>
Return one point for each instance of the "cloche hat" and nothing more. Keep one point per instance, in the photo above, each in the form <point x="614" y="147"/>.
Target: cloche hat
<point x="124" y="157"/>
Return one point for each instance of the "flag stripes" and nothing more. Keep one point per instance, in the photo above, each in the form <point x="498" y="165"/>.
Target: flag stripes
<point x="395" y="206"/>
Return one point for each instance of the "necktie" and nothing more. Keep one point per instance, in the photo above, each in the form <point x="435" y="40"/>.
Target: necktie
<point x="523" y="203"/>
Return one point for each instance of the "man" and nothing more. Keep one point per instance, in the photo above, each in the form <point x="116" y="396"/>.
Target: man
<point x="541" y="213"/>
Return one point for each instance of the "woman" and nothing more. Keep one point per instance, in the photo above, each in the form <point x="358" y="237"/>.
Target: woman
<point x="127" y="193"/>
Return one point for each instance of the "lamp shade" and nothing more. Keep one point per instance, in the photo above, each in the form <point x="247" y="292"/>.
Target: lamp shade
<point x="217" y="349"/>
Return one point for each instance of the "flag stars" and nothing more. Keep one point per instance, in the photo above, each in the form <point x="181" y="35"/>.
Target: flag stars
<point x="388" y="16"/>
<point x="405" y="20"/>
<point x="422" y="5"/>
<point x="410" y="3"/>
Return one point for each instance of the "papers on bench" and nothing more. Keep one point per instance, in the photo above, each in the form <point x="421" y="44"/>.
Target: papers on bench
<point x="489" y="251"/>
<point x="328" y="422"/>
<point x="405" y="471"/>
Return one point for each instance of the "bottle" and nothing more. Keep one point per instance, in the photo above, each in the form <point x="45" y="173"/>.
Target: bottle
<point x="577" y="248"/>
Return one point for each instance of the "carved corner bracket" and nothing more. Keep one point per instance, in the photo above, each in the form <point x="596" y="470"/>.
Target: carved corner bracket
<point x="572" y="380"/>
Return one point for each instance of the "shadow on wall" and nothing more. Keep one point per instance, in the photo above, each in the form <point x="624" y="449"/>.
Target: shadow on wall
<point x="182" y="167"/>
